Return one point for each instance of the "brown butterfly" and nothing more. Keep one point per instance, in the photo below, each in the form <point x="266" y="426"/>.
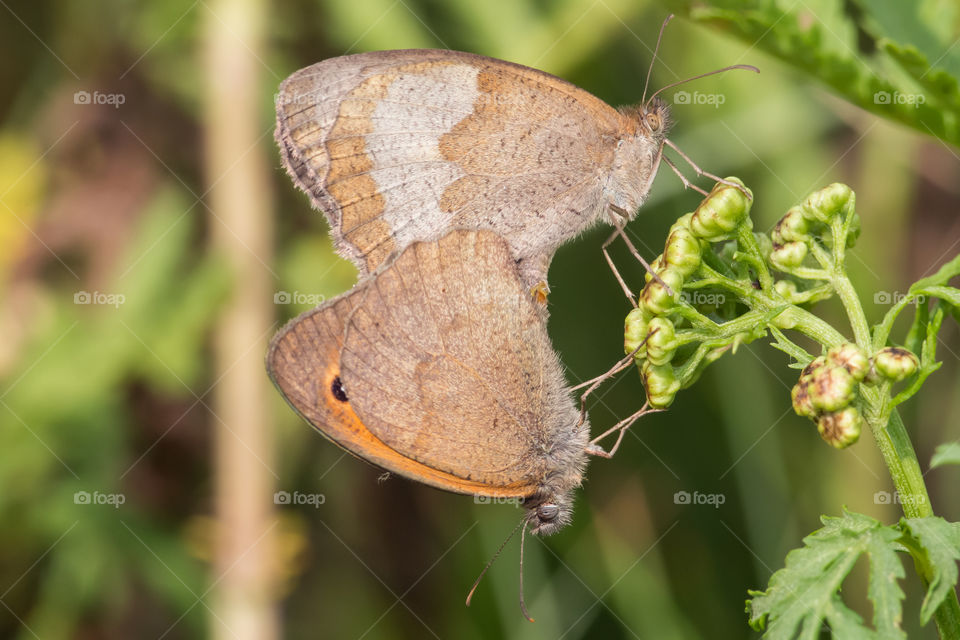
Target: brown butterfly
<point x="401" y="146"/>
<point x="440" y="369"/>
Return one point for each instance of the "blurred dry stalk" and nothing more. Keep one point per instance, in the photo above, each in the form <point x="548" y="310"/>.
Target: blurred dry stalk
<point x="243" y="605"/>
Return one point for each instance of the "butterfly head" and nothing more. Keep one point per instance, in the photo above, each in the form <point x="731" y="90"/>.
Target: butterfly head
<point x="653" y="119"/>
<point x="547" y="514"/>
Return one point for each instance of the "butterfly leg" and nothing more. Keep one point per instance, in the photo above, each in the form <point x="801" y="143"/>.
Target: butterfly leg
<point x="686" y="183"/>
<point x="595" y="383"/>
<point x="595" y="449"/>
<point x="700" y="172"/>
<point x="613" y="267"/>
<point x="619" y="231"/>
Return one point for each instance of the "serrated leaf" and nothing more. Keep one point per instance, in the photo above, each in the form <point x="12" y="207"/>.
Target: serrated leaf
<point x="947" y="453"/>
<point x="939" y="86"/>
<point x="818" y="41"/>
<point x="844" y="622"/>
<point x="939" y="541"/>
<point x="804" y="594"/>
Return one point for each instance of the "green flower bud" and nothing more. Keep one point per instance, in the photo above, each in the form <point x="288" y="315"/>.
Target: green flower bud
<point x="655" y="266"/>
<point x="792" y="227"/>
<point x="683" y="222"/>
<point x="811" y="369"/>
<point x="801" y="401"/>
<point x="720" y="213"/>
<point x="852" y="358"/>
<point x="660" y="383"/>
<point x="661" y="341"/>
<point x="786" y="288"/>
<point x="825" y="204"/>
<point x="841" y="428"/>
<point x="635" y="330"/>
<point x="655" y="296"/>
<point x="682" y="251"/>
<point x="787" y="256"/>
<point x="895" y="363"/>
<point x="831" y="388"/>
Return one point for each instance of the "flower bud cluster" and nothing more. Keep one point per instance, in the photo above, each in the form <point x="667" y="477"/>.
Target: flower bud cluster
<point x="794" y="234"/>
<point x="827" y="388"/>
<point x="649" y="330"/>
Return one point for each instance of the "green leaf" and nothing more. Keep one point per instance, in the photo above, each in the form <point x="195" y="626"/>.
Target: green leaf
<point x="800" y="357"/>
<point x="947" y="294"/>
<point x="890" y="75"/>
<point x="805" y="593"/>
<point x="941" y="277"/>
<point x="938" y="542"/>
<point x="946" y="453"/>
<point x="928" y="357"/>
<point x="918" y="330"/>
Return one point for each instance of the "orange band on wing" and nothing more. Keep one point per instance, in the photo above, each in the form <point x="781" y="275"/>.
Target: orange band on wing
<point x="349" y="432"/>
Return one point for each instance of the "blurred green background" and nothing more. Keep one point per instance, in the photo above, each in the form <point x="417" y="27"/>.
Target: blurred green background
<point x="133" y="285"/>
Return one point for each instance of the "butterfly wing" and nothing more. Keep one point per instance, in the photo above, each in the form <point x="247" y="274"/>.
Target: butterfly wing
<point x="447" y="361"/>
<point x="402" y="146"/>
<point x="438" y="369"/>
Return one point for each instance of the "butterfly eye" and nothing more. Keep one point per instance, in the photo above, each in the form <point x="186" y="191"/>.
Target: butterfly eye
<point x="547" y="512"/>
<point x="654" y="121"/>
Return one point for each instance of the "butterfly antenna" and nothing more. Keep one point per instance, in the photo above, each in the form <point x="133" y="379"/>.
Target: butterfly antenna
<point x="523" y="604"/>
<point x="748" y="67"/>
<point x="654" y="59"/>
<point x="495" y="556"/>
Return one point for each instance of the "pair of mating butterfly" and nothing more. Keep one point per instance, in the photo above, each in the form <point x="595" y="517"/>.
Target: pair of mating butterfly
<point x="450" y="179"/>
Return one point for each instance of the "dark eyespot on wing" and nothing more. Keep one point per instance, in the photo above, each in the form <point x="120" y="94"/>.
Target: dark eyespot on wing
<point x="336" y="388"/>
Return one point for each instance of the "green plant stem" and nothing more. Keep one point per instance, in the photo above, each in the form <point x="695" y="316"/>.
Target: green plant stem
<point x="901" y="461"/>
<point x="751" y="251"/>
<point x="894" y="442"/>
<point x="851" y="303"/>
